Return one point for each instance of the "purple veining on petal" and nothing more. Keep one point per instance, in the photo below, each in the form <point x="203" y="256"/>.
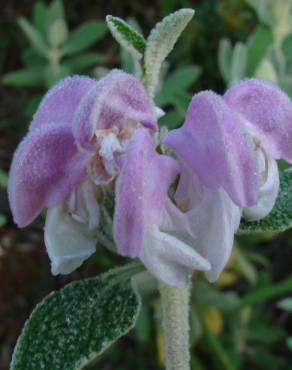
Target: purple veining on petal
<point x="268" y="111"/>
<point x="45" y="168"/>
<point x="113" y="102"/>
<point x="141" y="191"/>
<point x="212" y="143"/>
<point x="60" y="102"/>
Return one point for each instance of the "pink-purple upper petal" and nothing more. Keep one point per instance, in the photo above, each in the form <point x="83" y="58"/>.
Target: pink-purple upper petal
<point x="141" y="191"/>
<point x="45" y="168"/>
<point x="268" y="111"/>
<point x="60" y="102"/>
<point x="212" y="143"/>
<point x="117" y="99"/>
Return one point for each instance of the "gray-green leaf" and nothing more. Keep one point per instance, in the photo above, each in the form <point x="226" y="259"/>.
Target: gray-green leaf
<point x="127" y="36"/>
<point x="280" y="219"/>
<point x="74" y="325"/>
<point x="160" y="43"/>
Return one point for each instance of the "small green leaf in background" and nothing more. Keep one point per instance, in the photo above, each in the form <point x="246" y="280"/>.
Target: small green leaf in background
<point x="280" y="219"/>
<point x="57" y="30"/>
<point x="171" y="120"/>
<point x="262" y="294"/>
<point x="263" y="9"/>
<point x="181" y="101"/>
<point x="266" y="71"/>
<point x="161" y="42"/>
<point x="33" y="76"/>
<point x="127" y="36"/>
<point x="278" y="60"/>
<point x="80" y="62"/>
<point x="58" y="33"/>
<point x="264" y="333"/>
<point x="39" y="17"/>
<point x="243" y="265"/>
<point x="84" y="36"/>
<point x="238" y="63"/>
<point x="34" y="36"/>
<point x="287" y="48"/>
<point x="180" y="80"/>
<point x="31" y="58"/>
<point x="52" y="75"/>
<point x="258" y="45"/>
<point x="224" y="59"/>
<point x="216" y="351"/>
<point x="74" y="325"/>
<point x="54" y="13"/>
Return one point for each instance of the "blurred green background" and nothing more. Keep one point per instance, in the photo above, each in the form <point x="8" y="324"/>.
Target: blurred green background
<point x="244" y="321"/>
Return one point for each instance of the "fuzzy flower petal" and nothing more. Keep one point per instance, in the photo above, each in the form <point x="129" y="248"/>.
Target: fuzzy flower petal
<point x="69" y="243"/>
<point x="267" y="111"/>
<point x="208" y="228"/>
<point x="117" y="101"/>
<point x="268" y="193"/>
<point x="141" y="191"/>
<point x="45" y="168"/>
<point x="83" y="206"/>
<point x="60" y="102"/>
<point x="214" y="146"/>
<point x="169" y="258"/>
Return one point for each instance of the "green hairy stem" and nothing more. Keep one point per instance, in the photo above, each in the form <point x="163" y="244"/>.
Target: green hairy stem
<point x="175" y="320"/>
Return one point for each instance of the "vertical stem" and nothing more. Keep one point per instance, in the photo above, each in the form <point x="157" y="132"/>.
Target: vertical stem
<point x="175" y="320"/>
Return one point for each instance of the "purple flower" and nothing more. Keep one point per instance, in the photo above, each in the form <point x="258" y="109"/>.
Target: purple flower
<point x="75" y="138"/>
<point x="176" y="212"/>
<point x="265" y="113"/>
<point x="175" y="229"/>
<point x="227" y="148"/>
<point x="181" y="214"/>
<point x="141" y="200"/>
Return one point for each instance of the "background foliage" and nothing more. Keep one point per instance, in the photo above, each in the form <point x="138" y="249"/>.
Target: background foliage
<point x="242" y="321"/>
